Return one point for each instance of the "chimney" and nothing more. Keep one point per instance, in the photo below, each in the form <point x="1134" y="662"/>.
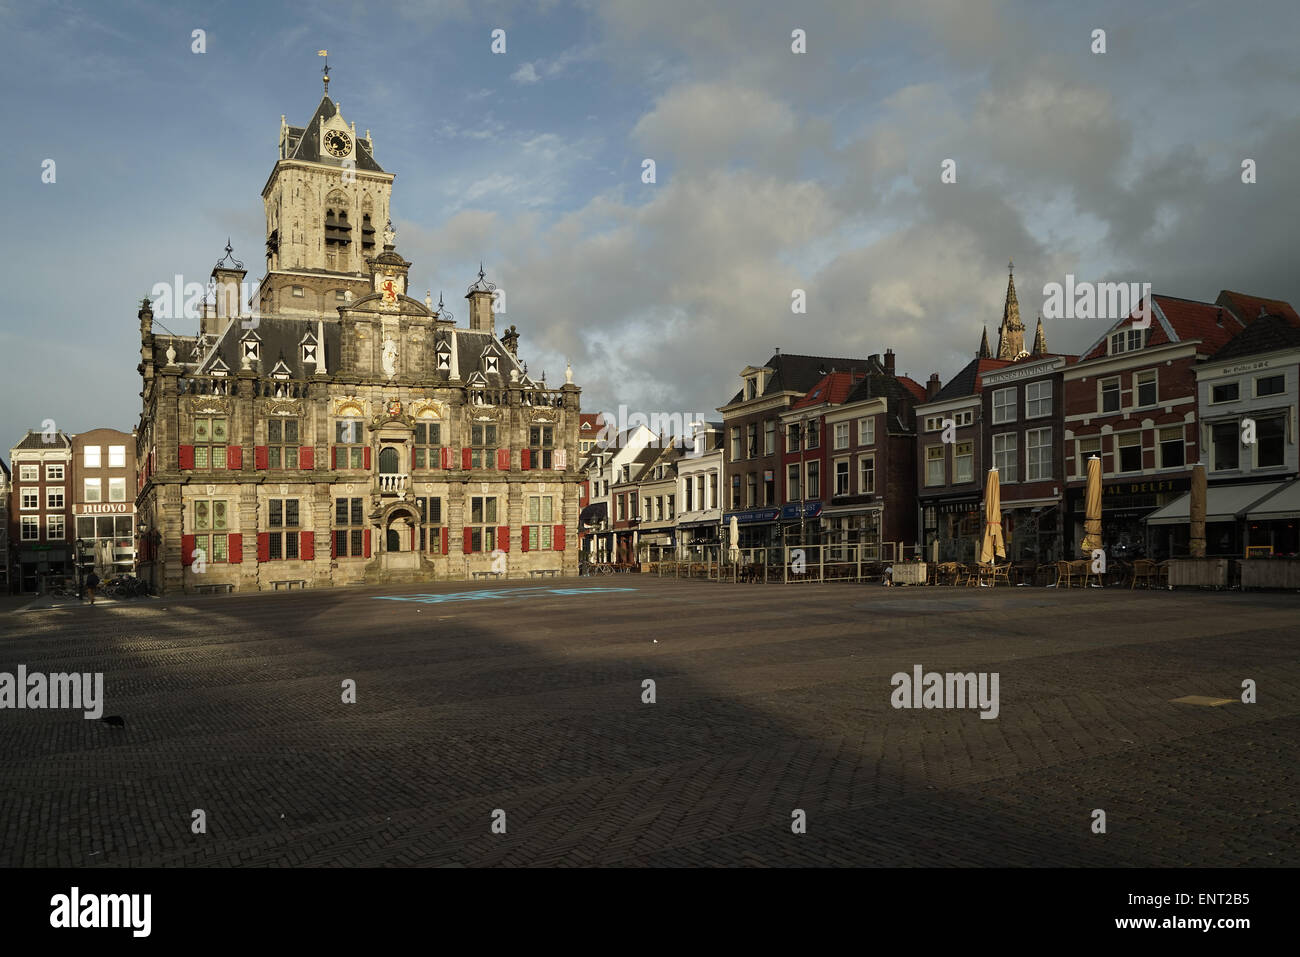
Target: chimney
<point x="933" y="386"/>
<point x="889" y="361"/>
<point x="480" y="304"/>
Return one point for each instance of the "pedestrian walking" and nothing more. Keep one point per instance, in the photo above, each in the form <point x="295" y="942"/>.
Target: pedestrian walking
<point x="92" y="582"/>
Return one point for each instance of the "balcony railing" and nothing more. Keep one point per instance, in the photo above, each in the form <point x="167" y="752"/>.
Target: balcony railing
<point x="391" y="482"/>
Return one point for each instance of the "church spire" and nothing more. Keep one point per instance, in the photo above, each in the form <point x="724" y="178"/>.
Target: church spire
<point x="1011" y="334"/>
<point x="1040" y="341"/>
<point x="984" y="346"/>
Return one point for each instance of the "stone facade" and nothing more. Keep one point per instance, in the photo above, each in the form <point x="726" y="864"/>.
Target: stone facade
<point x="347" y="433"/>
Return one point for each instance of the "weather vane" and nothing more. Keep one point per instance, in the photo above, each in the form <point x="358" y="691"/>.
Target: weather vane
<point x="326" y="71"/>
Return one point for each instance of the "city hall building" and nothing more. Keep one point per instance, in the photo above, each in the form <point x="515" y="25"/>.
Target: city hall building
<point x="345" y="432"/>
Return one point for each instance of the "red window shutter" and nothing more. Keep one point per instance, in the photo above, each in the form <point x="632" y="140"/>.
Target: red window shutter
<point x="444" y="457"/>
<point x="263" y="546"/>
<point x="366" y="459"/>
<point x="307" y="458"/>
<point x="444" y="539"/>
<point x="334" y="456"/>
<point x="306" y="545"/>
<point x="557" y="536"/>
<point x="235" y="549"/>
<point x="187" y="551"/>
<point x="525" y="456"/>
<point x="466" y="459"/>
<point x="412" y="458"/>
<point x="503" y="460"/>
<point x="503" y="537"/>
<point x="260" y="457"/>
<point x="523" y="538"/>
<point x="469" y="540"/>
<point x="234" y="457"/>
<point x="412" y="538"/>
<point x="186" y="457"/>
<point x="366" y="543"/>
<point x="334" y="545"/>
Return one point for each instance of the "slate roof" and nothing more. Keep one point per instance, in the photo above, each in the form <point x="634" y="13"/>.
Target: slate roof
<point x="35" y="440"/>
<point x="970" y="379"/>
<point x="798" y="373"/>
<point x="308" y="147"/>
<point x="1266" y="334"/>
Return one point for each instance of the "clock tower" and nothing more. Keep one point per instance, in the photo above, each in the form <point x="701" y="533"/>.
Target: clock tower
<point x="326" y="202"/>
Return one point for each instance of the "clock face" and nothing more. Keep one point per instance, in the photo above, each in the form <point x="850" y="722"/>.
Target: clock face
<point x="338" y="143"/>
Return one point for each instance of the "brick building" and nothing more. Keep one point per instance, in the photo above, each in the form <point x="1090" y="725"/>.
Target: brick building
<point x="1131" y="399"/>
<point x="6" y="552"/>
<point x="103" y="488"/>
<point x="348" y="432"/>
<point x="40" y="513"/>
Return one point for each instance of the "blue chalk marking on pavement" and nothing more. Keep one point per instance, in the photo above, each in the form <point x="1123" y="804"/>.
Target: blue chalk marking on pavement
<point x="495" y="593"/>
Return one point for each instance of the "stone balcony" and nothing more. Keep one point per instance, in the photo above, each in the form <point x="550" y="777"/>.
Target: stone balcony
<point x="392" y="483"/>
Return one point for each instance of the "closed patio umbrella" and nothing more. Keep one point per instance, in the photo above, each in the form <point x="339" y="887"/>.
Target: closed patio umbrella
<point x="733" y="553"/>
<point x="1092" y="509"/>
<point x="991" y="544"/>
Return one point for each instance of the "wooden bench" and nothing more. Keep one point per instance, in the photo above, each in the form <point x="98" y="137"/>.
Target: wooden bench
<point x="216" y="588"/>
<point x="290" y="584"/>
<point x="485" y="574"/>
<point x="539" y="572"/>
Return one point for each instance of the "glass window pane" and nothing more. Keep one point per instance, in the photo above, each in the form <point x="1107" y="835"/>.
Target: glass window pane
<point x="218" y="548"/>
<point x="273" y="431"/>
<point x="201" y="432"/>
<point x="202" y="515"/>
<point x="356" y="511"/>
<point x="218" y="514"/>
<point x="490" y="510"/>
<point x="219" y="430"/>
<point x="218" y="456"/>
<point x="104" y="526"/>
<point x="291" y="431"/>
<point x="201" y="456"/>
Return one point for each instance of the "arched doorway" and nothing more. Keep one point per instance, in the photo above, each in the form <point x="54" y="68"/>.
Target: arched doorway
<point x="393" y="539"/>
<point x="388" y="458"/>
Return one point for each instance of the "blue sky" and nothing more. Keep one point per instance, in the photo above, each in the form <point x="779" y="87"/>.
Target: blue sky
<point x="775" y="171"/>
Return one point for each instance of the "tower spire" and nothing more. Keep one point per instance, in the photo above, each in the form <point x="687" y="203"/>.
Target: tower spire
<point x="1040" y="340"/>
<point x="984" y="346"/>
<point x="1011" y="333"/>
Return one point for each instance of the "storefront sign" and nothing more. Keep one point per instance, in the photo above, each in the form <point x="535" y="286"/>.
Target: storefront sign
<point x="791" y="512"/>
<point x="1146" y="488"/>
<point x="753" y="515"/>
<point x="101" y="508"/>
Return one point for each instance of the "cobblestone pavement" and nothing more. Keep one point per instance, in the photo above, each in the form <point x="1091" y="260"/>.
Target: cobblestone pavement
<point x="770" y="698"/>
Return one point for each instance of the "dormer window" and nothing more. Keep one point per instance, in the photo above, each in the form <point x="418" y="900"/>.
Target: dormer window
<point x="490" y="364"/>
<point x="251" y="350"/>
<point x="444" y="360"/>
<point x="751" y="387"/>
<point x="309" y="352"/>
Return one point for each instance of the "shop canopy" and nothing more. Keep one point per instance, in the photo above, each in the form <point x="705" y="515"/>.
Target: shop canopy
<point x="1223" y="503"/>
<point x="1281" y="505"/>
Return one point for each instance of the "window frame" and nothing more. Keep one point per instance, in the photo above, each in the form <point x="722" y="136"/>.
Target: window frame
<point x="1120" y="446"/>
<point x="1138" y="384"/>
<point x="1007" y="459"/>
<point x="867" y="466"/>
<point x="1004" y="405"/>
<point x="1044" y="470"/>
<point x="931" y="460"/>
<point x="1038" y="400"/>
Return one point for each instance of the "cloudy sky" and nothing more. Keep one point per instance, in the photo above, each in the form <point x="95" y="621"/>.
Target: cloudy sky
<point x="775" y="171"/>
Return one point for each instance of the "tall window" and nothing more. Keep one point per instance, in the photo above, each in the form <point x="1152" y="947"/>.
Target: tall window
<point x="349" y="524"/>
<point x="1084" y="450"/>
<point x="842" y="475"/>
<point x="814" y="481"/>
<point x="1146" y="387"/>
<point x="1038" y="454"/>
<point x="428" y="440"/>
<point x="1038" y="399"/>
<point x="1005" y="447"/>
<point x="752" y="429"/>
<point x="792" y="485"/>
<point x="283" y="523"/>
<point x="210" y="438"/>
<point x="934" y="465"/>
<point x="621" y="504"/>
<point x="751" y="490"/>
<point x="814" y="438"/>
<point x="769" y="486"/>
<point x="482" y="523"/>
<point x="540" y="523"/>
<point x="54" y="497"/>
<point x="117" y="456"/>
<point x="90" y="456"/>
<point x="1270" y="441"/>
<point x="867" y="475"/>
<point x="735" y="491"/>
<point x="117" y="489"/>
<point x="841" y="436"/>
<point x="541" y="439"/>
<point x="348" y="453"/>
<point x="1004" y="405"/>
<point x="31" y="497"/>
<point x="672" y="512"/>
<point x="209" y="531"/>
<point x="736" y="449"/>
<point x="1110" y="395"/>
<point x="792" y="438"/>
<point x="282" y="444"/>
<point x="430" y="523"/>
<point x="713" y="490"/>
<point x="1225" y="442"/>
<point x="689" y="489"/>
<point x="867" y="430"/>
<point x="769" y="437"/>
<point x="483" y="442"/>
<point x="1171" y="447"/>
<point x="1130" y="451"/>
<point x="54" y="528"/>
<point x="91" y="491"/>
<point x="963" y="462"/>
<point x="31" y="526"/>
